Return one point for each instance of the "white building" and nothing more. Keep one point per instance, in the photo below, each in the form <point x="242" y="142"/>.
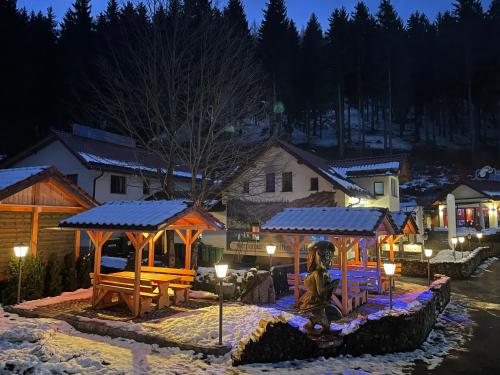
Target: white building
<point x="107" y="166"/>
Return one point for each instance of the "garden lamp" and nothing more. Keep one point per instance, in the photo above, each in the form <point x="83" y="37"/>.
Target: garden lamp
<point x="479" y="236"/>
<point x="461" y="239"/>
<point x="428" y="254"/>
<point x="221" y="272"/>
<point x="454" y="241"/>
<point x="271" y="249"/>
<point x="20" y="250"/>
<point x="389" y="269"/>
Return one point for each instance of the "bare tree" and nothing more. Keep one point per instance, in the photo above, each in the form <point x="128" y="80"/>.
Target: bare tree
<point x="184" y="87"/>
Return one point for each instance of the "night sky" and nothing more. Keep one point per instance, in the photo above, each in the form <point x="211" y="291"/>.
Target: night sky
<point x="298" y="10"/>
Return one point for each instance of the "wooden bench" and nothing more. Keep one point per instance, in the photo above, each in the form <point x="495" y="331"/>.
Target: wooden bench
<point x="180" y="289"/>
<point x="110" y="286"/>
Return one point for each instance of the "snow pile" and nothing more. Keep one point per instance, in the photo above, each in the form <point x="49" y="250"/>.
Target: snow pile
<point x="67" y="296"/>
<point x="201" y="327"/>
<point x="484" y="266"/>
<point x="201" y="294"/>
<point x="209" y="272"/>
<point x="450" y="256"/>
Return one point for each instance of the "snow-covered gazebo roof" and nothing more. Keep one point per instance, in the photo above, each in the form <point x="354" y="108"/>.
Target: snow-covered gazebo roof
<point x="144" y="216"/>
<point x="344" y="221"/>
<point x="405" y="222"/>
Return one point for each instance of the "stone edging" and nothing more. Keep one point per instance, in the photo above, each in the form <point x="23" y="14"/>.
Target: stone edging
<point x="276" y="340"/>
<point x="101" y="329"/>
<point x="457" y="271"/>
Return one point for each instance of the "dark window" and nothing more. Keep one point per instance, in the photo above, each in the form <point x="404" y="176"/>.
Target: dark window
<point x="146" y="186"/>
<point x="270" y="183"/>
<point x="394" y="188"/>
<point x="246" y="187"/>
<point x="314" y="184"/>
<point x="287" y="181"/>
<point x="378" y="188"/>
<point x="118" y="185"/>
<point x="73" y="178"/>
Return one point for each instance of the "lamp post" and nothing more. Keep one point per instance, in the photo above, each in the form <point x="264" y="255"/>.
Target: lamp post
<point x="271" y="249"/>
<point x="461" y="239"/>
<point x="20" y="250"/>
<point x="428" y="254"/>
<point x="221" y="271"/>
<point x="454" y="241"/>
<point x="479" y="236"/>
<point x="389" y="269"/>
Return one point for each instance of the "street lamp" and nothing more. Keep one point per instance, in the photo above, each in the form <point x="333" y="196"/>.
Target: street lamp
<point x="428" y="254"/>
<point x="221" y="271"/>
<point x="389" y="269"/>
<point x="271" y="249"/>
<point x="461" y="239"/>
<point x="20" y="250"/>
<point x="479" y="236"/>
<point x="454" y="241"/>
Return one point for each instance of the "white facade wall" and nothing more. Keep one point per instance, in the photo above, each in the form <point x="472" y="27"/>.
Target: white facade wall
<point x="387" y="200"/>
<point x="57" y="155"/>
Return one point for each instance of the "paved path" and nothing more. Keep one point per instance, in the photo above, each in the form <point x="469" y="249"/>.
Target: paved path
<point x="481" y="354"/>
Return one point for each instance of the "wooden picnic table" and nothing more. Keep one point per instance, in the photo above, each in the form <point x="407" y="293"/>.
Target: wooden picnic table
<point x="162" y="280"/>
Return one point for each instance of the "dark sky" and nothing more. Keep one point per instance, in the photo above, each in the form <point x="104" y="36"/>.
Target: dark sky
<point x="299" y="10"/>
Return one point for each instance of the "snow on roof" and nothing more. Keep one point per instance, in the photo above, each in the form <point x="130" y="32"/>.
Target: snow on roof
<point x="346" y="184"/>
<point x="367" y="168"/>
<point x="12" y="176"/>
<point x="399" y="218"/>
<point x="91" y="158"/>
<point x="338" y="220"/>
<point x="128" y="214"/>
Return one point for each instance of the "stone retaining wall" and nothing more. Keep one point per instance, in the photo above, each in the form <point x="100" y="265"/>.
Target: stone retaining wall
<point x="276" y="340"/>
<point x="457" y="271"/>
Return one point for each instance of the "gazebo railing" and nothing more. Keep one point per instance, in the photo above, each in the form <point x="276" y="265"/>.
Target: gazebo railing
<point x="280" y="277"/>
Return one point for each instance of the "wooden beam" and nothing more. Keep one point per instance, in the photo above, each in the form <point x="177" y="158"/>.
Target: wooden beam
<point x="7" y="207"/>
<point x="77" y="244"/>
<point x="179" y="233"/>
<point x="66" y="193"/>
<point x="151" y="251"/>
<point x="343" y="266"/>
<point x="391" y="248"/>
<point x="196" y="235"/>
<point x="93" y="237"/>
<point x="187" y="259"/>
<point x="34" y="231"/>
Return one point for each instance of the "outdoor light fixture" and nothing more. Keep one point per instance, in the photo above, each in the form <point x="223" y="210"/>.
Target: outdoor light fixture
<point x="428" y="254"/>
<point x="454" y="241"/>
<point x="479" y="236"/>
<point x="20" y="250"/>
<point x="271" y="249"/>
<point x="461" y="239"/>
<point x="221" y="271"/>
<point x="389" y="269"/>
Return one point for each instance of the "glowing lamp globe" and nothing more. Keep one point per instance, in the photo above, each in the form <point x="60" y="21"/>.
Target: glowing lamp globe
<point x="461" y="239"/>
<point x="20" y="250"/>
<point x="389" y="268"/>
<point x="479" y="235"/>
<point x="428" y="253"/>
<point x="221" y="270"/>
<point x="454" y="240"/>
<point x="271" y="249"/>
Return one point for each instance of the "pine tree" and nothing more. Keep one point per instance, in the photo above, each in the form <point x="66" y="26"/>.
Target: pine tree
<point x="234" y="15"/>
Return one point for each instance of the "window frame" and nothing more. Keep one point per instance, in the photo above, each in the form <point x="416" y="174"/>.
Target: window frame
<point x="268" y="185"/>
<point x="246" y="187"/>
<point x="290" y="188"/>
<point x="114" y="177"/>
<point x="394" y="188"/>
<point x="375" y="188"/>
<point x="311" y="184"/>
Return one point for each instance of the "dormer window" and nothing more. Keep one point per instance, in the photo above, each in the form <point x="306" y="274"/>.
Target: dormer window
<point x="378" y="188"/>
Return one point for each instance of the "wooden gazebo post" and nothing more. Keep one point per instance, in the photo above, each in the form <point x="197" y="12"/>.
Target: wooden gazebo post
<point x="98" y="238"/>
<point x="139" y="241"/>
<point x="296" y="244"/>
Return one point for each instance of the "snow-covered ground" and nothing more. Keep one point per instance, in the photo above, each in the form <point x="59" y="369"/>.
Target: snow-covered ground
<point x="447" y="256"/>
<point x="66" y="296"/>
<point x="43" y="346"/>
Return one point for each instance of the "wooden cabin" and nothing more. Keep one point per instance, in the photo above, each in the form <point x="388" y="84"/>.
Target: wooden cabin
<point x="33" y="201"/>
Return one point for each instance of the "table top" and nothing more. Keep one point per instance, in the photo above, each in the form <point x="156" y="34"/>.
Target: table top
<point x="156" y="277"/>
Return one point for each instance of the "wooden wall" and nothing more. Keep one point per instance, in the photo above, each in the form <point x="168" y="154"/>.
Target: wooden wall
<point x="15" y="227"/>
<point x="41" y="193"/>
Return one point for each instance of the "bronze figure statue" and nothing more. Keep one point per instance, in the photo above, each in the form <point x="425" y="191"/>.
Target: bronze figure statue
<point x="319" y="287"/>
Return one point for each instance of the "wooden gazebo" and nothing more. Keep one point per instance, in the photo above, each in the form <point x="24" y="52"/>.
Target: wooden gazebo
<point x="347" y="228"/>
<point x="143" y="222"/>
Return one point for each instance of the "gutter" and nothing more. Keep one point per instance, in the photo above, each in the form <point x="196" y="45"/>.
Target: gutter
<point x="94" y="183"/>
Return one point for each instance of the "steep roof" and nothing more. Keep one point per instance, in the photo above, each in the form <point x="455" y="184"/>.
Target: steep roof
<point x="138" y="215"/>
<point x="102" y="155"/>
<point x="325" y="169"/>
<point x="370" y="166"/>
<point x="13" y="180"/>
<point x="489" y="188"/>
<point x="401" y="219"/>
<point x="329" y="220"/>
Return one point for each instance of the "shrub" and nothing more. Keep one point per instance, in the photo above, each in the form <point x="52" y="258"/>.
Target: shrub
<point x="69" y="273"/>
<point x="32" y="283"/>
<point x="84" y="266"/>
<point x="53" y="276"/>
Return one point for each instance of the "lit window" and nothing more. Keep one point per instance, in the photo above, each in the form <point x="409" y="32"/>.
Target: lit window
<point x="378" y="188"/>
<point x="118" y="185"/>
<point x="270" y="183"/>
<point x="287" y="181"/>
